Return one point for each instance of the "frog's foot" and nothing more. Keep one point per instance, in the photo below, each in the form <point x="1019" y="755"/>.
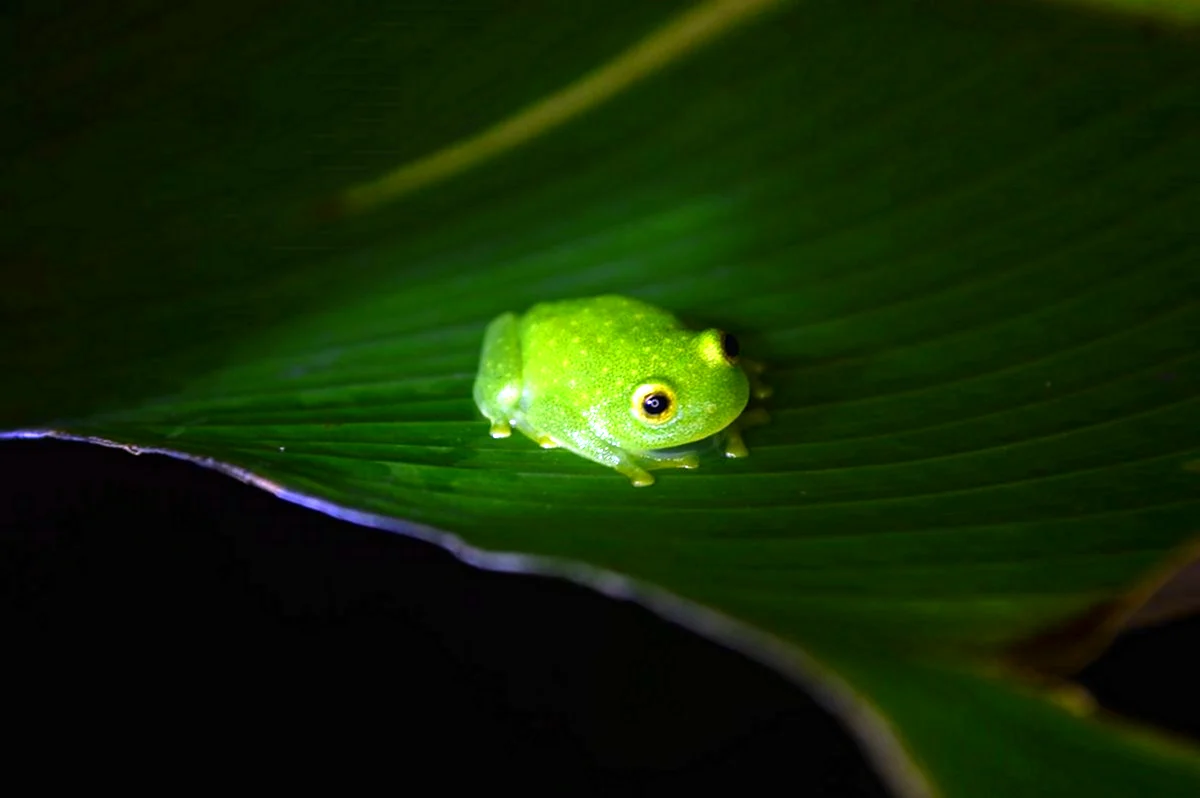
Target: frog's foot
<point x="640" y="477"/>
<point x="754" y="370"/>
<point x="734" y="445"/>
<point x="500" y="429"/>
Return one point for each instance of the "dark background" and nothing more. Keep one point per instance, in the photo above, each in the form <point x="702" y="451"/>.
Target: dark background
<point x="151" y="606"/>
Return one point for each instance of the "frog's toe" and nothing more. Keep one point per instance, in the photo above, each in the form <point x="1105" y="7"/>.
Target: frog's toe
<point x="547" y="442"/>
<point x="735" y="446"/>
<point x="689" y="460"/>
<point x="640" y="477"/>
<point x="754" y="370"/>
<point x="500" y="429"/>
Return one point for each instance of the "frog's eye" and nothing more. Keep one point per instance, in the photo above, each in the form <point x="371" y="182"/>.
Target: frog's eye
<point x="730" y="347"/>
<point x="654" y="403"/>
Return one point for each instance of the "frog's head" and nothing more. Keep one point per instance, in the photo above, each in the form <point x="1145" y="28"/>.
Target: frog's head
<point x="701" y="391"/>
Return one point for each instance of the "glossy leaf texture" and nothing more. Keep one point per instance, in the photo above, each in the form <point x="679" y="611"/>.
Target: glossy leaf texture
<point x="961" y="234"/>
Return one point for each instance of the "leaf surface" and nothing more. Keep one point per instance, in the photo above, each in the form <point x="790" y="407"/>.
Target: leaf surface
<point x="961" y="235"/>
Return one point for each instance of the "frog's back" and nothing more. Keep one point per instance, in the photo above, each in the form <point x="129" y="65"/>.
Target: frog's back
<point x="576" y="348"/>
<point x="593" y="313"/>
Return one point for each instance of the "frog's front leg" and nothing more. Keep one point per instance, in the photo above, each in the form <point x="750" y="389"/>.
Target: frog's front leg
<point x="543" y="439"/>
<point x="673" y="460"/>
<point x="498" y="385"/>
<point x="637" y="467"/>
<point x="586" y="444"/>
<point x="594" y="448"/>
<point x="734" y="446"/>
<point x="639" y="476"/>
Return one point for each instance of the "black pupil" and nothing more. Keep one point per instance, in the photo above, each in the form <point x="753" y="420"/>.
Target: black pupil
<point x="656" y="404"/>
<point x="730" y="345"/>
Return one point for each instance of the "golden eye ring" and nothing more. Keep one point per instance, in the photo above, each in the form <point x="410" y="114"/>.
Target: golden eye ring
<point x="654" y="403"/>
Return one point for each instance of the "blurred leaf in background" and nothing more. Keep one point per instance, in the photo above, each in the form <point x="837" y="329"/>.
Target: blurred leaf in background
<point x="961" y="233"/>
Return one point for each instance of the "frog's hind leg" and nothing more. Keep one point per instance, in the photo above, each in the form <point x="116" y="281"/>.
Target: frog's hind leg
<point x="498" y="385"/>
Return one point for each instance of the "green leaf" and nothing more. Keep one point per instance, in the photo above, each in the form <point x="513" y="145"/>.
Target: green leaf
<point x="979" y="736"/>
<point x="961" y="235"/>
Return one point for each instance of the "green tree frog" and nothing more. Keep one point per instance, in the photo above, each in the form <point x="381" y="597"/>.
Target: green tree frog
<point x="617" y="381"/>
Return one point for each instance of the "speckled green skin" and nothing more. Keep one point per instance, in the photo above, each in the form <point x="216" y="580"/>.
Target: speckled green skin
<point x="565" y="373"/>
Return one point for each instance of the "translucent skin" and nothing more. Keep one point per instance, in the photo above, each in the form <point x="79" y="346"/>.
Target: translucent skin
<point x="567" y="374"/>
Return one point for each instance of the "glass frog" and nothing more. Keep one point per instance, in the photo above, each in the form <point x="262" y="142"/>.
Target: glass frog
<point x="617" y="381"/>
